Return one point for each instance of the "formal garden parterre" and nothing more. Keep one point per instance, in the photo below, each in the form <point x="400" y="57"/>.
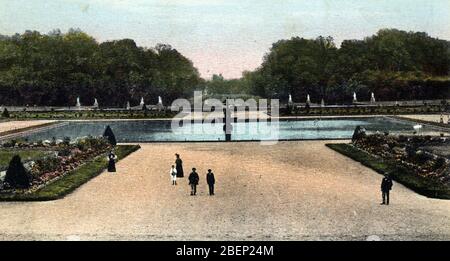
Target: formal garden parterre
<point x="421" y="163"/>
<point x="47" y="170"/>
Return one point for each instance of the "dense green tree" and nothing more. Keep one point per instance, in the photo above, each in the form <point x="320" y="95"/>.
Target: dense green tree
<point x="219" y="85"/>
<point x="396" y="65"/>
<point x="56" y="68"/>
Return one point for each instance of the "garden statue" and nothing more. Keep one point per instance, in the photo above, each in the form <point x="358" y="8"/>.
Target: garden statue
<point x="290" y="99"/>
<point x="78" y="102"/>
<point x="142" y="102"/>
<point x="372" y="98"/>
<point x="354" y="97"/>
<point x="322" y="103"/>
<point x="160" y="101"/>
<point x="308" y="99"/>
<point x="95" y="103"/>
<point x="128" y="105"/>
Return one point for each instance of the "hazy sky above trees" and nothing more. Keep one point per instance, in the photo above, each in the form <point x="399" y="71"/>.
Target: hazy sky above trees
<point x="225" y="36"/>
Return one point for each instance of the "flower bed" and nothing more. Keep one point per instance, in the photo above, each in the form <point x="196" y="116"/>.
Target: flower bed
<point x="406" y="176"/>
<point x="421" y="163"/>
<point x="66" y="157"/>
<point x="412" y="152"/>
<point x="67" y="183"/>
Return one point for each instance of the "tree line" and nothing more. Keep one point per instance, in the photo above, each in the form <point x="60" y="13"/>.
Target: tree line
<point x="56" y="68"/>
<point x="394" y="64"/>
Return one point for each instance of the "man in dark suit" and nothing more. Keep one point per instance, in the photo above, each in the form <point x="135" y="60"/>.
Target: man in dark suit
<point x="211" y="181"/>
<point x="193" y="181"/>
<point x="386" y="186"/>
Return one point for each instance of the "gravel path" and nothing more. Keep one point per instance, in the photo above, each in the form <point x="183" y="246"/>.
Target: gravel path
<point x="17" y="125"/>
<point x="427" y="117"/>
<point x="290" y="191"/>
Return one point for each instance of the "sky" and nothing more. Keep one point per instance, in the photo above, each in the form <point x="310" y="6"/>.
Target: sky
<point x="224" y="36"/>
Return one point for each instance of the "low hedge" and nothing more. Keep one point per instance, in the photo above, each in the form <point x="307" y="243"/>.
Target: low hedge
<point x="401" y="174"/>
<point x="352" y="110"/>
<point x="80" y="115"/>
<point x="71" y="181"/>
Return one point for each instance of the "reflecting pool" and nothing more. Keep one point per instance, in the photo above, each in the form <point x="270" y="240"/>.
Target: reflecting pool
<point x="161" y="130"/>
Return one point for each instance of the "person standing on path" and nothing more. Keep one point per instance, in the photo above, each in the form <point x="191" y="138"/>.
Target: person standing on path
<point x="112" y="162"/>
<point x="386" y="186"/>
<point x="173" y="175"/>
<point x="179" y="166"/>
<point x="193" y="181"/>
<point x="211" y="181"/>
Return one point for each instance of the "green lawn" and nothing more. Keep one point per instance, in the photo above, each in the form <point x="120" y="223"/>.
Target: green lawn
<point x="405" y="176"/>
<point x="25" y="155"/>
<point x="72" y="180"/>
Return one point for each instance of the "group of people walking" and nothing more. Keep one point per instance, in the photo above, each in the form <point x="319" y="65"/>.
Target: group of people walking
<point x="176" y="171"/>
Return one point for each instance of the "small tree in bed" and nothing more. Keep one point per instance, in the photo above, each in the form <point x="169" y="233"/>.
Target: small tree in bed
<point x="110" y="136"/>
<point x="5" y="113"/>
<point x="16" y="175"/>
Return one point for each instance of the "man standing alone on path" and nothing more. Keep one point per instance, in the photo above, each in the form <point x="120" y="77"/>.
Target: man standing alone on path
<point x="173" y="175"/>
<point x="386" y="186"/>
<point x="210" y="180"/>
<point x="193" y="181"/>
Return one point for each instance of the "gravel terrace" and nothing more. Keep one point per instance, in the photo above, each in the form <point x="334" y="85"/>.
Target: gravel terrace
<point x="298" y="190"/>
<point x="17" y="125"/>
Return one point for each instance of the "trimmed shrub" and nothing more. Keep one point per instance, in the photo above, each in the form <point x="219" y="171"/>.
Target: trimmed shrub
<point x="5" y="113"/>
<point x="16" y="175"/>
<point x="439" y="163"/>
<point x="358" y="133"/>
<point x="110" y="136"/>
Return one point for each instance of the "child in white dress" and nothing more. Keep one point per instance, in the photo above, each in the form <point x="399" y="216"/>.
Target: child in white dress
<point x="173" y="175"/>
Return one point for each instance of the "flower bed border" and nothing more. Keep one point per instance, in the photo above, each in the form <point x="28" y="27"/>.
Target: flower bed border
<point x="72" y="180"/>
<point x="401" y="174"/>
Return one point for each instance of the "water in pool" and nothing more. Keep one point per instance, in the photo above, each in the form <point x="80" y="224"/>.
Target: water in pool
<point x="151" y="130"/>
